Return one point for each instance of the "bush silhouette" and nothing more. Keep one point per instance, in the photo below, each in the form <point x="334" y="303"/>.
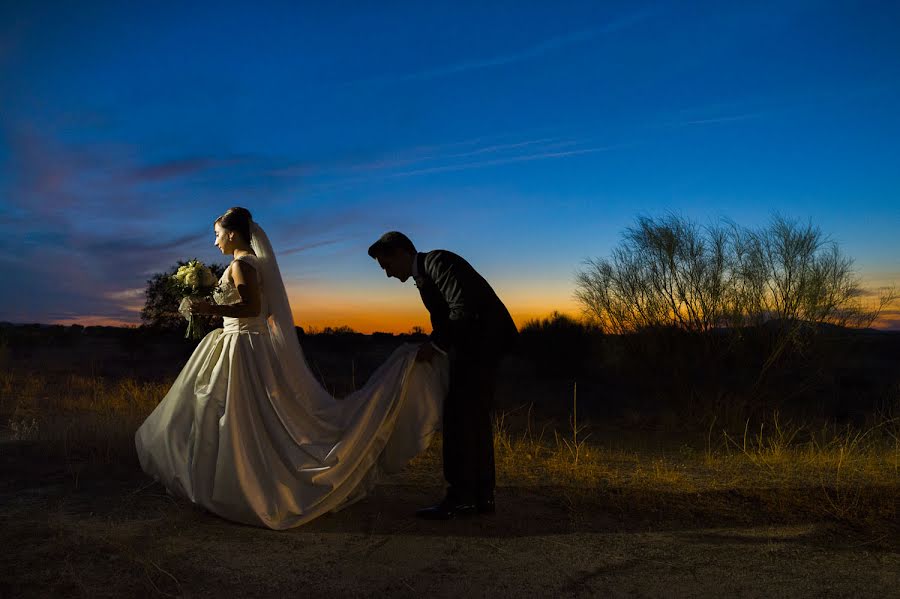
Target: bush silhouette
<point x="559" y="346"/>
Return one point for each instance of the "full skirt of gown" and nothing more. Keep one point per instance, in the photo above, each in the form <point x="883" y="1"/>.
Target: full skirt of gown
<point x="235" y="435"/>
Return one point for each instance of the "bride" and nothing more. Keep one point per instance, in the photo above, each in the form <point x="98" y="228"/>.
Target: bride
<point x="247" y="432"/>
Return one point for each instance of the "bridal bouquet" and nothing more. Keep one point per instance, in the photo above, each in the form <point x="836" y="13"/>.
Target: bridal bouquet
<point x="194" y="281"/>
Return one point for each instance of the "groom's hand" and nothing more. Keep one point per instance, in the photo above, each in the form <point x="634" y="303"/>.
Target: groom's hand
<point x="426" y="352"/>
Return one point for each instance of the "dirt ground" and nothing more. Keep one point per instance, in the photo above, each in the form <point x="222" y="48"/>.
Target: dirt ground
<point x="111" y="532"/>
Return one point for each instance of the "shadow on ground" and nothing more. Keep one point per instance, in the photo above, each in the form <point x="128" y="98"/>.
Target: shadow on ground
<point x="110" y="531"/>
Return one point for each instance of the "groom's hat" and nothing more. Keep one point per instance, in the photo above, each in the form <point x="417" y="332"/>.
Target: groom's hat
<point x="390" y="241"/>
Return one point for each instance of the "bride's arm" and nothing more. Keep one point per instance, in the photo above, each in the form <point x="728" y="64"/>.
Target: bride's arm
<point x="247" y="284"/>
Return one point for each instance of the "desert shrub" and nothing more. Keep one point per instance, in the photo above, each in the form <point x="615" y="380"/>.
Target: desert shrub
<point x="560" y="346"/>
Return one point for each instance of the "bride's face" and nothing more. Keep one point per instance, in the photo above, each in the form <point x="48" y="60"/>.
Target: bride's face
<point x="224" y="239"/>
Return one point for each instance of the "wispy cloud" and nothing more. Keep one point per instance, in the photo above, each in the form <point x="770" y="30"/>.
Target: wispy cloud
<point x="871" y="292"/>
<point x="718" y="119"/>
<point x="136" y="294"/>
<point x="171" y="169"/>
<point x="888" y="323"/>
<point x="483" y="152"/>
<point x="502" y="161"/>
<point x="124" y="246"/>
<point x="307" y="246"/>
<point x="506" y="147"/>
<point x="405" y="158"/>
<point x="539" y="49"/>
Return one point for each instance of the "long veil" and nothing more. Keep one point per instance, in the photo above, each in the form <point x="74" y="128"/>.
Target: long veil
<point x="304" y="385"/>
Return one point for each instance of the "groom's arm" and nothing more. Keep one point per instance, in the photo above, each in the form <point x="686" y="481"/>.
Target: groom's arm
<point x="459" y="284"/>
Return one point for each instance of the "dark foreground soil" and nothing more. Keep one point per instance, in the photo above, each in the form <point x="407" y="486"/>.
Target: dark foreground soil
<point x="110" y="532"/>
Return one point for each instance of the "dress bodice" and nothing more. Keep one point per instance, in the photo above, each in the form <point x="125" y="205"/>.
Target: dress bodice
<point x="226" y="293"/>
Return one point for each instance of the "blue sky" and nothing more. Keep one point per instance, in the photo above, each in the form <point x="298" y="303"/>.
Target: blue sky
<point x="524" y="136"/>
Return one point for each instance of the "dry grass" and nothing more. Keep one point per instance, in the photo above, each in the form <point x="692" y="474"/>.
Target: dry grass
<point x="835" y="473"/>
<point x="83" y="418"/>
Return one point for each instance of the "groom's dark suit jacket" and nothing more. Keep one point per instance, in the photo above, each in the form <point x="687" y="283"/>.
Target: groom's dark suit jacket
<point x="468" y="320"/>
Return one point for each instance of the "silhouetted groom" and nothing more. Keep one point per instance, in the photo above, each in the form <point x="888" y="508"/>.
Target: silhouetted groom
<point x="473" y="327"/>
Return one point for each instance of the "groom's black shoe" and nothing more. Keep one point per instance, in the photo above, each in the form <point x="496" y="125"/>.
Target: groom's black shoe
<point x="486" y="506"/>
<point x="447" y="510"/>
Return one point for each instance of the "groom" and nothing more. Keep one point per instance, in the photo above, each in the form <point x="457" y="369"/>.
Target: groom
<point x="474" y="329"/>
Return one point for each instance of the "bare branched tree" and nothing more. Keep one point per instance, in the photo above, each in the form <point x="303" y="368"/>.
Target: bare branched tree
<point x="671" y="272"/>
<point x="666" y="272"/>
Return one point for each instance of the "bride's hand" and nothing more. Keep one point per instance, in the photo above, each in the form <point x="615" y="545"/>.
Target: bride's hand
<point x="201" y="307"/>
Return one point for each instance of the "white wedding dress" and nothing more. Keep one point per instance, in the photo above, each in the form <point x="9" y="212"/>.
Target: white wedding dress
<point x="247" y="432"/>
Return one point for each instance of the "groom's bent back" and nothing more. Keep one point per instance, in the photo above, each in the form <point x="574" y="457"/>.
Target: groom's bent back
<point x="473" y="327"/>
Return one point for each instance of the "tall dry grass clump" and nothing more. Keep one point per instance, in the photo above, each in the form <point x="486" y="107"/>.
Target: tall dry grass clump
<point x="84" y="418"/>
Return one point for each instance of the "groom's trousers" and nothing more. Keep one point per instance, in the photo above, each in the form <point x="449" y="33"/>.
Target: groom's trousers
<point x="468" y="449"/>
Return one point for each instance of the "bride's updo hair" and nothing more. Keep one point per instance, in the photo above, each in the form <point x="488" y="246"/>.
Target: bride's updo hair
<point x="238" y="220"/>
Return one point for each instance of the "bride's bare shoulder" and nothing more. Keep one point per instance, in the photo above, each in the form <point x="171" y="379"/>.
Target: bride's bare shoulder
<point x="244" y="260"/>
<point x="243" y="267"/>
